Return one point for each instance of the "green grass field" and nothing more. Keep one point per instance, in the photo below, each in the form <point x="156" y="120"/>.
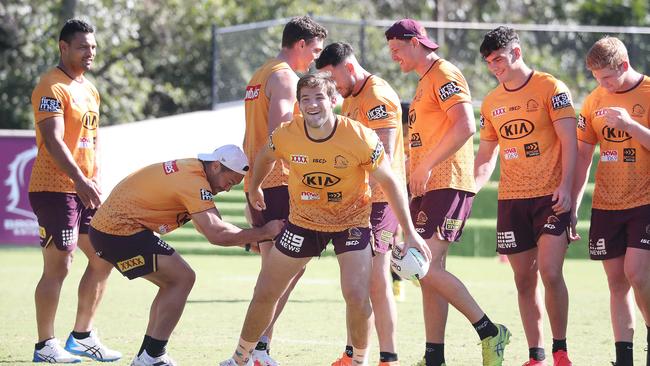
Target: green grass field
<point x="311" y="330"/>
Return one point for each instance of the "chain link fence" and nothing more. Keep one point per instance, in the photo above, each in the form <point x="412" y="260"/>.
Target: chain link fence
<point x="556" y="49"/>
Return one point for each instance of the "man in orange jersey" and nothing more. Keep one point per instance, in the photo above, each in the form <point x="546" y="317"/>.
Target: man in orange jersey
<point x="529" y="121"/>
<point x="615" y="115"/>
<point x="441" y="180"/>
<point x="271" y="99"/>
<point x="154" y="201"/>
<point x="329" y="159"/>
<point x="371" y="101"/>
<point x="64" y="193"/>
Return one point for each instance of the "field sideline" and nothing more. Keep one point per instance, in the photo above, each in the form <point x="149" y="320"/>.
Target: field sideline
<point x="311" y="331"/>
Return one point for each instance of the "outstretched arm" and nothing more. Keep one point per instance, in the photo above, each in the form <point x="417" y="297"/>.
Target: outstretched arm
<point x="222" y="233"/>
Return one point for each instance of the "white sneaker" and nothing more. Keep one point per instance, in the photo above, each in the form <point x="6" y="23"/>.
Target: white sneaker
<point x="54" y="353"/>
<point x="231" y="362"/>
<point x="91" y="347"/>
<point x="262" y="358"/>
<point x="145" y="360"/>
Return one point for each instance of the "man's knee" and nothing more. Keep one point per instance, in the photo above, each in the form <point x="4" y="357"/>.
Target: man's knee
<point x="637" y="276"/>
<point x="356" y="296"/>
<point x="526" y="282"/>
<point x="551" y="277"/>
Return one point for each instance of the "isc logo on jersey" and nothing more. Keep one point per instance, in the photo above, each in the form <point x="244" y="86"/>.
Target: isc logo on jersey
<point x="252" y="92"/>
<point x="516" y="129"/>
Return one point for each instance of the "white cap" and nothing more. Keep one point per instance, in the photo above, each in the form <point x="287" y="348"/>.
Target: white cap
<point x="229" y="155"/>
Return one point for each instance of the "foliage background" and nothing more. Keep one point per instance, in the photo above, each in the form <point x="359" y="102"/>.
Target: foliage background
<point x="154" y="57"/>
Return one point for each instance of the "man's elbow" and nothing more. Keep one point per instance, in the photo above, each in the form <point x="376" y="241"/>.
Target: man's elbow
<point x="469" y="128"/>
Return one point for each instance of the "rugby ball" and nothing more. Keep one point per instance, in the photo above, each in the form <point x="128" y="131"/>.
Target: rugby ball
<point x="410" y="266"/>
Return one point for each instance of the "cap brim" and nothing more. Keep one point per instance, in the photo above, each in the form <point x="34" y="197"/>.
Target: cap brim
<point x="426" y="42"/>
<point x="206" y="157"/>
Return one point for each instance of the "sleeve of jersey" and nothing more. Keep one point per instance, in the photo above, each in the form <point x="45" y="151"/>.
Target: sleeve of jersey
<point x="560" y="104"/>
<point x="451" y="88"/>
<point x="371" y="150"/>
<point x="585" y="129"/>
<point x="380" y="111"/>
<point x="195" y="195"/>
<point x="48" y="100"/>
<point x="487" y="130"/>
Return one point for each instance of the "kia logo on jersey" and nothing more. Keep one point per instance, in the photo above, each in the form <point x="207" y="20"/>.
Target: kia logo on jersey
<point x="516" y="129"/>
<point x="320" y="180"/>
<point x="614" y="135"/>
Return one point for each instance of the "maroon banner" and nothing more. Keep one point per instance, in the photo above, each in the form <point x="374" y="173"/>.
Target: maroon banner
<point x="18" y="222"/>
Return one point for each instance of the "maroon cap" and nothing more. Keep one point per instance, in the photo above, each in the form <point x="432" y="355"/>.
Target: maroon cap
<point x="409" y="28"/>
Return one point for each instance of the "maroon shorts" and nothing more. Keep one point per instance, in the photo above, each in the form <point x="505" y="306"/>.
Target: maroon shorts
<point x="613" y="231"/>
<point x="383" y="223"/>
<point x="61" y="218"/>
<point x="277" y="206"/>
<point x="520" y="223"/>
<point x="297" y="242"/>
<point x="441" y="211"/>
<point x="133" y="255"/>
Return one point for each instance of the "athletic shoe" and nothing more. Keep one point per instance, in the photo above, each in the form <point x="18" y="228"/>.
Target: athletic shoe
<point x="231" y="362"/>
<point x="145" y="360"/>
<point x="533" y="362"/>
<point x="262" y="358"/>
<point x="561" y="358"/>
<point x="398" y="290"/>
<point x="389" y="363"/>
<point x="91" y="347"/>
<point x="344" y="360"/>
<point x="494" y="346"/>
<point x="54" y="353"/>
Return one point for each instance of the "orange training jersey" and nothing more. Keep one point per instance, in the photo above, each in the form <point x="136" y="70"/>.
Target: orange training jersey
<point x="440" y="88"/>
<point x="328" y="178"/>
<point x="56" y="94"/>
<point x="256" y="104"/>
<point x="521" y="120"/>
<point x="160" y="197"/>
<point x="623" y="171"/>
<point x="377" y="106"/>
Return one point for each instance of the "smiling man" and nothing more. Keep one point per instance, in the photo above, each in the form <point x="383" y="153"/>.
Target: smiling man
<point x="371" y="101"/>
<point x="441" y="126"/>
<point x="529" y="122"/>
<point x="64" y="193"/>
<point x="615" y="115"/>
<point x="269" y="100"/>
<point x="329" y="159"/>
<point x="154" y="201"/>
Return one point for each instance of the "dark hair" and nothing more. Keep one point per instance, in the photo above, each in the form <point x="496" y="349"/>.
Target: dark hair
<point x="302" y="28"/>
<point x="317" y="80"/>
<point x="497" y="39"/>
<point x="73" y="26"/>
<point x="334" y="54"/>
